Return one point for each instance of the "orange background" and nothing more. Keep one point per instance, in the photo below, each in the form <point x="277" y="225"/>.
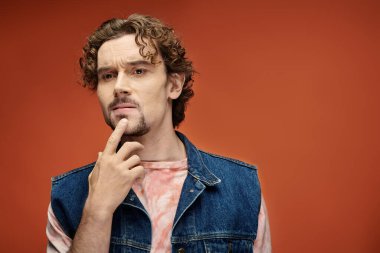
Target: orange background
<point x="292" y="86"/>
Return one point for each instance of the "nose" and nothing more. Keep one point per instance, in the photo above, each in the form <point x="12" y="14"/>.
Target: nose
<point x="122" y="85"/>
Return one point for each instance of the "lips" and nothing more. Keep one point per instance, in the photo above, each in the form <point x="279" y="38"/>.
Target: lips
<point x="123" y="109"/>
<point x="123" y="106"/>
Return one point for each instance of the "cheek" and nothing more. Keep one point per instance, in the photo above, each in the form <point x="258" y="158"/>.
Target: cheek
<point x="103" y="97"/>
<point x="155" y="106"/>
<point x="156" y="99"/>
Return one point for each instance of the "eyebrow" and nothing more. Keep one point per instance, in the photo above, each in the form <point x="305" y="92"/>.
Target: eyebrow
<point x="130" y="63"/>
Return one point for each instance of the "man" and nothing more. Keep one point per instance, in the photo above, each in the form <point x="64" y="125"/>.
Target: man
<point x="150" y="189"/>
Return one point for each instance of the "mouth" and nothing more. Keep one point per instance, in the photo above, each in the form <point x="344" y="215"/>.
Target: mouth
<point x="123" y="108"/>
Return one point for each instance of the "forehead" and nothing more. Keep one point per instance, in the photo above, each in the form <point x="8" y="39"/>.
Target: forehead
<point x="122" y="49"/>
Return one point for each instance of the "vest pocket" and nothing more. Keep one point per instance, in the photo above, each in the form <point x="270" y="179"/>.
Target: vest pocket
<point x="118" y="245"/>
<point x="228" y="246"/>
<point x="215" y="246"/>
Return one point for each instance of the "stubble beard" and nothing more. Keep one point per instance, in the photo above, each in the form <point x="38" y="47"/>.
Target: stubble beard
<point x="139" y="129"/>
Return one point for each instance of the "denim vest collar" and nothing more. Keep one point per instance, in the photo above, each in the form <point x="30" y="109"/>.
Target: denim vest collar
<point x="196" y="168"/>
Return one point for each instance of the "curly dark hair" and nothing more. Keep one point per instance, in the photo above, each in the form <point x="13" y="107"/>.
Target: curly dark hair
<point x="149" y="32"/>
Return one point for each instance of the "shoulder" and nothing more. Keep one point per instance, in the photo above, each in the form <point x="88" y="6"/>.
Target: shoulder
<point x="206" y="157"/>
<point x="71" y="185"/>
<point x="236" y="177"/>
<point x="229" y="169"/>
<point x="226" y="161"/>
<point x="68" y="195"/>
<point x="74" y="174"/>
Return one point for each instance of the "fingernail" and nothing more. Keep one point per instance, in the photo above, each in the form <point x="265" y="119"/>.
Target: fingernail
<point x="123" y="121"/>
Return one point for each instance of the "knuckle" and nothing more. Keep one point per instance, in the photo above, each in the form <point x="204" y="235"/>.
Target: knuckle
<point x="139" y="168"/>
<point x="135" y="145"/>
<point x="127" y="145"/>
<point x="111" y="139"/>
<point x="119" y="168"/>
<point x="141" y="171"/>
<point x="136" y="158"/>
<point x="131" y="146"/>
<point x="139" y="145"/>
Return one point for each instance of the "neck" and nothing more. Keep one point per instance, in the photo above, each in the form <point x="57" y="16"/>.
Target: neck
<point x="163" y="146"/>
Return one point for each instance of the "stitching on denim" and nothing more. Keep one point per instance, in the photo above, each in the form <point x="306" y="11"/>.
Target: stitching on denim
<point x="204" y="179"/>
<point x="231" y="160"/>
<point x="59" y="177"/>
<point x="187" y="207"/>
<point x="131" y="243"/>
<point x="186" y="239"/>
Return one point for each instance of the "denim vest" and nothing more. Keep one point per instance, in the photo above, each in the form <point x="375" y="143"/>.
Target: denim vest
<point x="217" y="211"/>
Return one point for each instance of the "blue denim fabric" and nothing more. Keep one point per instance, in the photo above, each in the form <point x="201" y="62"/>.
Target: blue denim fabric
<point x="217" y="211"/>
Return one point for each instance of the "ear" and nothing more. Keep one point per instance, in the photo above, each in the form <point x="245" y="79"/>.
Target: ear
<point x="175" y="85"/>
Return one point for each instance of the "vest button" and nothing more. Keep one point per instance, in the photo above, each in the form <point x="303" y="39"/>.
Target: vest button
<point x="181" y="250"/>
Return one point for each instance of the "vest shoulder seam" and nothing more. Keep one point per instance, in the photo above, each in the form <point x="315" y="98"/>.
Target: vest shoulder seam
<point x="244" y="164"/>
<point x="71" y="172"/>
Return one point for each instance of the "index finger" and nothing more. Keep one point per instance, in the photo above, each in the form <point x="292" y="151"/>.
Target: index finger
<point x="115" y="137"/>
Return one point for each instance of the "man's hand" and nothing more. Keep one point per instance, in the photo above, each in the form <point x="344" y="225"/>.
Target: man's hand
<point x="109" y="183"/>
<point x="114" y="174"/>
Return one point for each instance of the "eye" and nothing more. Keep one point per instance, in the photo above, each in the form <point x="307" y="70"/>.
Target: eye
<point x="139" y="72"/>
<point x="108" y="76"/>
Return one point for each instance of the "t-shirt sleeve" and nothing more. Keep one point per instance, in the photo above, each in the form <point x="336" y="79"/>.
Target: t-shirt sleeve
<point x="263" y="242"/>
<point x="58" y="241"/>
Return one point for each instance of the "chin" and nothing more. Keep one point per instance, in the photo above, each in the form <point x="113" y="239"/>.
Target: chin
<point x="135" y="128"/>
<point x="114" y="120"/>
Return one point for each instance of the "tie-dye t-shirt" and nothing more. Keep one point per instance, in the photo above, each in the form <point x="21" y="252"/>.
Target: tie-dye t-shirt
<point x="159" y="192"/>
